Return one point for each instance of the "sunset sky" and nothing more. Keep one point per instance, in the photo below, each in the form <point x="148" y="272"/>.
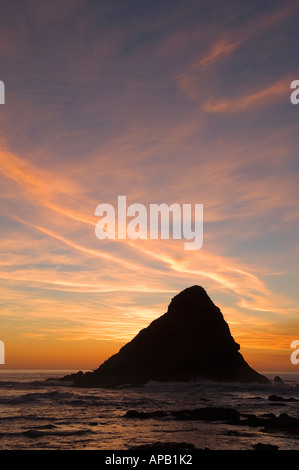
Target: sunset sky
<point x="164" y="101"/>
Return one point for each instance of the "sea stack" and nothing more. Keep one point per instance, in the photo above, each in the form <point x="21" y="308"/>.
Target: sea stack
<point x="190" y="341"/>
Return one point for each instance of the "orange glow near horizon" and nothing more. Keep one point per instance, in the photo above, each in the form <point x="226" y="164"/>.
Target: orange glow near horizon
<point x="33" y="352"/>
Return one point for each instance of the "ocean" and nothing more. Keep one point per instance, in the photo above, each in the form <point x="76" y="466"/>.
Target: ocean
<point x="47" y="415"/>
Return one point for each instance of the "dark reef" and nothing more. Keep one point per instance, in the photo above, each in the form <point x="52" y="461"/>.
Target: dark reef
<point x="190" y="341"/>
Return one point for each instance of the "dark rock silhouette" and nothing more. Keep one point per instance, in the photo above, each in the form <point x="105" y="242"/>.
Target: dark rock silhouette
<point x="268" y="421"/>
<point x="276" y="398"/>
<point x="278" y="380"/>
<point x="190" y="341"/>
<point x="208" y="413"/>
<point x="261" y="446"/>
<point x="284" y="423"/>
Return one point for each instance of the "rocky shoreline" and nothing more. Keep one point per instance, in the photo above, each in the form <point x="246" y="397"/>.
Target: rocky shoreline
<point x="268" y="421"/>
<point x="265" y="422"/>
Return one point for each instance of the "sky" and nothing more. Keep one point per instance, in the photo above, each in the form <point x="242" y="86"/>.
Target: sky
<point x="164" y="102"/>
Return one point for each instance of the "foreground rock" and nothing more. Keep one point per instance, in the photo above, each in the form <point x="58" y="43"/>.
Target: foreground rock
<point x="190" y="341"/>
<point x="284" y="423"/>
<point x="268" y="422"/>
<point x="261" y="446"/>
<point x="208" y="413"/>
<point x="281" y="399"/>
<point x="271" y="424"/>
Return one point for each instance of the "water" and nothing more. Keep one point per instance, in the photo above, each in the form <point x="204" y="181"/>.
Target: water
<point x="39" y="415"/>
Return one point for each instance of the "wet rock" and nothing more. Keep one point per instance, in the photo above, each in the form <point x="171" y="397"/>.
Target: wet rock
<point x="233" y="433"/>
<point x="251" y="420"/>
<point x="275" y="398"/>
<point x="208" y="414"/>
<point x="200" y="414"/>
<point x="260" y="446"/>
<point x="281" y="399"/>
<point x="278" y="380"/>
<point x="284" y="423"/>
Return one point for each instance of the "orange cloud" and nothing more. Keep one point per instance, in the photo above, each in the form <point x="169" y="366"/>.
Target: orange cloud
<point x="196" y="80"/>
<point x="219" y="50"/>
<point x="262" y="97"/>
<point x="225" y="46"/>
<point x="43" y="187"/>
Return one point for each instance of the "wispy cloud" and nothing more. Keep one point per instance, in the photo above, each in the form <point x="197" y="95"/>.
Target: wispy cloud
<point x="253" y="100"/>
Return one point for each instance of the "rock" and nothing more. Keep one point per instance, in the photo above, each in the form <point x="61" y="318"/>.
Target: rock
<point x="251" y="420"/>
<point x="281" y="399"/>
<point x="284" y="423"/>
<point x="145" y="415"/>
<point x="275" y="398"/>
<point x="268" y="422"/>
<point x="278" y="380"/>
<point x="200" y="414"/>
<point x="208" y="414"/>
<point x="190" y="341"/>
<point x="233" y="433"/>
<point x="260" y="446"/>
